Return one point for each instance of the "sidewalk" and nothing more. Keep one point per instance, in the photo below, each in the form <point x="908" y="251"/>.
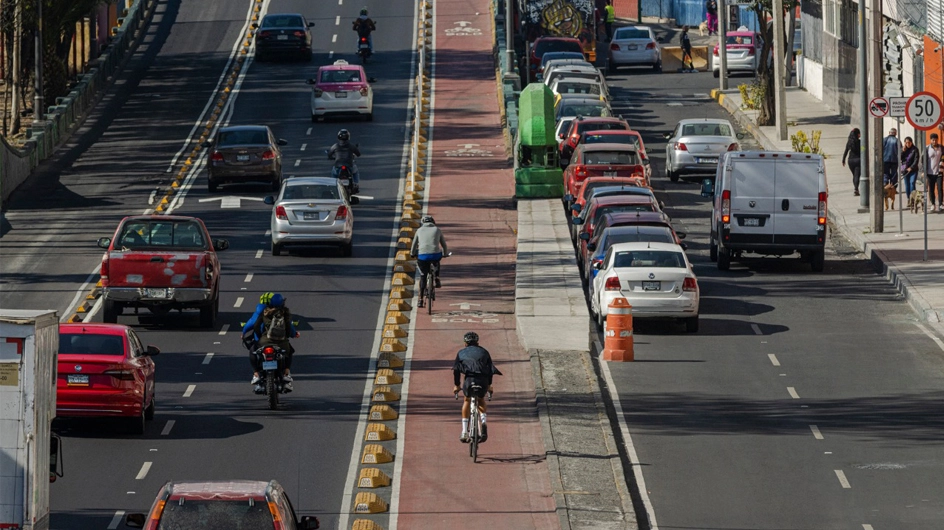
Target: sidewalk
<point x="898" y="257"/>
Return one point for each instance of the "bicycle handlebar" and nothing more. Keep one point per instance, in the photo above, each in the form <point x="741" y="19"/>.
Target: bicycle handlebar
<point x="457" y="395"/>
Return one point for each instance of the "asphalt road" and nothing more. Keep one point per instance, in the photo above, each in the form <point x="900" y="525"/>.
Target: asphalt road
<point x="806" y="401"/>
<point x="208" y="423"/>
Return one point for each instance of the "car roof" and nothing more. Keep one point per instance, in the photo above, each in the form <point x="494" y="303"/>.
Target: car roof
<point x="219" y="489"/>
<point x="703" y="120"/>
<point x="581" y="80"/>
<point x="629" y="198"/>
<point x="617" y="217"/>
<point x="620" y="132"/>
<point x="632" y="229"/>
<point x="95" y="328"/>
<point x="648" y="245"/>
<point x="243" y="128"/>
<point x="567" y="39"/>
<point x="298" y="181"/>
<point x="631" y="189"/>
<point x="340" y="64"/>
<point x="607" y="147"/>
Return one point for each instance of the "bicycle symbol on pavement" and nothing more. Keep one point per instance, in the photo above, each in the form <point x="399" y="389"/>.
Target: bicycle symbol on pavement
<point x="463" y="30"/>
<point x="469" y="150"/>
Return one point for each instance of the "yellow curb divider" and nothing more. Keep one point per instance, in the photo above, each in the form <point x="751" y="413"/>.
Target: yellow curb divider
<point x="404" y="242"/>
<point x="392" y="345"/>
<point x="399" y="305"/>
<point x="382" y="413"/>
<point x="386" y="376"/>
<point x="394" y="331"/>
<point x="369" y="503"/>
<point x="371" y="477"/>
<point x="385" y="394"/>
<point x="396" y="317"/>
<point x="402" y="278"/>
<point x="401" y="293"/>
<point x="376" y="454"/>
<point x="389" y="360"/>
<point x="378" y="432"/>
<point x="365" y="524"/>
<point x="404" y="255"/>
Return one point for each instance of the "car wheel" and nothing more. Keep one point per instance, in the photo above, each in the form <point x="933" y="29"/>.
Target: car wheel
<point x="149" y="411"/>
<point x="712" y="250"/>
<point x="669" y="172"/>
<point x="716" y="73"/>
<point x="110" y="311"/>
<point x="314" y="118"/>
<point x="137" y="424"/>
<point x="208" y="314"/>
<point x="724" y="259"/>
<point x="691" y="324"/>
<point x="657" y="67"/>
<point x="818" y="260"/>
<point x="212" y="186"/>
<point x="276" y="249"/>
<point x="347" y="249"/>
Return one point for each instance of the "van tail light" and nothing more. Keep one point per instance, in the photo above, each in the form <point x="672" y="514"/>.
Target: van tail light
<point x="268" y="154"/>
<point x="300" y="34"/>
<point x="821" y="210"/>
<point x="651" y="46"/>
<point x="580" y="172"/>
<point x="690" y="284"/>
<point x="733" y="147"/>
<point x="679" y="146"/>
<point x="280" y="213"/>
<point x="363" y="91"/>
<point x="121" y="375"/>
<point x="103" y="272"/>
<point x="612" y="284"/>
<point x="342" y="213"/>
<point x="216" y="156"/>
<point x="614" y="47"/>
<point x="726" y="206"/>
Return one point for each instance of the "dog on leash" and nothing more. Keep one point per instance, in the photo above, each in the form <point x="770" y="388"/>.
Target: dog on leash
<point x="890" y="194"/>
<point x="702" y="28"/>
<point x="916" y="201"/>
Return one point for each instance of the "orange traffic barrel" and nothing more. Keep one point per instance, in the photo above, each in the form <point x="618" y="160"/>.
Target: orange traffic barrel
<point x="618" y="338"/>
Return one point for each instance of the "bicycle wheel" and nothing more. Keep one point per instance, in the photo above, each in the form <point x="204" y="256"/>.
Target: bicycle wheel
<point x="474" y="433"/>
<point x="430" y="292"/>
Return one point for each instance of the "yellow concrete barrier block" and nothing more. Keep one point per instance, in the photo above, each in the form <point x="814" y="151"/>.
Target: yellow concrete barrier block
<point x="159" y="208"/>
<point x="410" y="214"/>
<point x="165" y="200"/>
<point x="365" y="524"/>
<point x="188" y="162"/>
<point x="401" y="278"/>
<point x="404" y="255"/>
<point x="378" y="432"/>
<point x="94" y="296"/>
<point x="369" y="503"/>
<point x="392" y="345"/>
<point x="371" y="477"/>
<point x="414" y="186"/>
<point x="401" y="293"/>
<point x="404" y="242"/>
<point x="376" y="454"/>
<point x="399" y="305"/>
<point x="415" y="176"/>
<point x="392" y="331"/>
<point x="407" y="231"/>
<point x="396" y="317"/>
<point x="385" y="394"/>
<point x="413" y="205"/>
<point x="389" y="360"/>
<point x="382" y="413"/>
<point x="175" y="184"/>
<point x="82" y="308"/>
<point x="412" y="223"/>
<point x="386" y="376"/>
<point x="74" y="318"/>
<point x="98" y="284"/>
<point x="412" y="196"/>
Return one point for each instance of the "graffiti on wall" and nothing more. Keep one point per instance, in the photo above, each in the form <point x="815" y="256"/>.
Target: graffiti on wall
<point x="561" y="18"/>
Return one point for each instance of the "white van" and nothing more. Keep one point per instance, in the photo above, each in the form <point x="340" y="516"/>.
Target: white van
<point x="768" y="203"/>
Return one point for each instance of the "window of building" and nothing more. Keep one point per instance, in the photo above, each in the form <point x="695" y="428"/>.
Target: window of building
<point x="849" y="22"/>
<point x="831" y="16"/>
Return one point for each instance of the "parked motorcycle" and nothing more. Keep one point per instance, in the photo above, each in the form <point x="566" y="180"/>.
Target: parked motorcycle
<point x="363" y="49"/>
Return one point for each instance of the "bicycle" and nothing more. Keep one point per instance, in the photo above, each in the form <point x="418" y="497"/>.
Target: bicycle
<point x="474" y="420"/>
<point x="431" y="284"/>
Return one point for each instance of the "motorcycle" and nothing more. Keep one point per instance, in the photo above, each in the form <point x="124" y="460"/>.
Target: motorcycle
<point x="363" y="49"/>
<point x="345" y="174"/>
<point x="272" y="360"/>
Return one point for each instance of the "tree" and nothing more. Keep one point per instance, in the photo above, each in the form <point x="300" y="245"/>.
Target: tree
<point x="765" y="74"/>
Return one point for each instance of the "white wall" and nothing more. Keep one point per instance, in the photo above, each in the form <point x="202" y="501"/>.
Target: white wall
<point x="810" y="74"/>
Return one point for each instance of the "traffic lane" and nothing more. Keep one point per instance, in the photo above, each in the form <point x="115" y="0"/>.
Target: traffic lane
<point x="116" y="158"/>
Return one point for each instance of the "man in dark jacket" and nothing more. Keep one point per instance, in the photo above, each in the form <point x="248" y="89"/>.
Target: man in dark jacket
<point x="344" y="153"/>
<point x="364" y="26"/>
<point x="275" y="327"/>
<point x="476" y="363"/>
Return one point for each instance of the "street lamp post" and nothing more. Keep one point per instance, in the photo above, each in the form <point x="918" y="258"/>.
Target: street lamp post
<point x="38" y="104"/>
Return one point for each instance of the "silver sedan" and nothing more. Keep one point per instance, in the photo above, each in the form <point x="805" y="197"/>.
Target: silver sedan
<point x="695" y="145"/>
<point x="312" y="211"/>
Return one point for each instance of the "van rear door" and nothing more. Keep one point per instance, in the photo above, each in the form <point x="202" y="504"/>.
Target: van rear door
<point x="797" y="196"/>
<point x="752" y="200"/>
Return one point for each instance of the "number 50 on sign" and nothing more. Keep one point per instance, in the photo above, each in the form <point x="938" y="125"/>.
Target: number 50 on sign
<point x="923" y="111"/>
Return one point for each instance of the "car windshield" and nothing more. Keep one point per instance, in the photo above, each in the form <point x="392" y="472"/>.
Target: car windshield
<point x="578" y="88"/>
<point x="590" y="76"/>
<point x="86" y="343"/>
<point x="180" y="514"/>
<point x="616" y="208"/>
<point x="609" y="157"/>
<point x="608" y="139"/>
<point x="649" y="258"/>
<point x="740" y="39"/>
<point x="282" y="21"/>
<point x="551" y="56"/>
<point x="654" y="235"/>
<point x="161" y="233"/>
<point x="631" y="33"/>
<point x="242" y="137"/>
<point x="545" y="46"/>
<point x="340" y="76"/>
<point x="594" y="111"/>
<point x="706" y="129"/>
<point x="311" y="191"/>
<point x="602" y="126"/>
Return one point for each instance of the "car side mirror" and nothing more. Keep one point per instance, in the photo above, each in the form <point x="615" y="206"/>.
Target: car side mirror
<point x="104" y="242"/>
<point x="584" y="236"/>
<point x="371" y="79"/>
<point x="684" y="246"/>
<point x="707" y="188"/>
<point x="310" y="522"/>
<point x="311" y="24"/>
<point x="270" y="200"/>
<point x="280" y="141"/>
<point x="355" y="200"/>
<point x="591" y="247"/>
<point x="740" y="136"/>
<point x="208" y="143"/>
<point x="152" y="350"/>
<point x="576" y="207"/>
<point x="578" y="221"/>
<point x="667" y="135"/>
<point x="136" y="520"/>
<point x="310" y="82"/>
<point x="220" y="244"/>
<point x="660" y="39"/>
<point x="681" y="235"/>
<point x="661" y="205"/>
<point x="568" y="197"/>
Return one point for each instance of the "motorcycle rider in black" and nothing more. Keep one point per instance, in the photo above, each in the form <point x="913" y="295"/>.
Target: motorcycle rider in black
<point x="344" y="153"/>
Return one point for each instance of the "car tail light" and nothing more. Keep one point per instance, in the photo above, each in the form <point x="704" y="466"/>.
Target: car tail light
<point x="580" y="172"/>
<point x="265" y="34"/>
<point x="208" y="271"/>
<point x="726" y="206"/>
<point x="363" y="91"/>
<point x="651" y="46"/>
<point x="679" y="146"/>
<point x="318" y="92"/>
<point x="750" y="51"/>
<point x="690" y="284"/>
<point x="216" y="156"/>
<point x="614" y="47"/>
<point x="280" y="213"/>
<point x="268" y="154"/>
<point x="715" y="51"/>
<point x="821" y="213"/>
<point x="156" y="514"/>
<point x="733" y="147"/>
<point x="276" y="517"/>
<point x="121" y="375"/>
<point x="612" y="284"/>
<point x="298" y="33"/>
<point x="342" y="213"/>
<point x="103" y="272"/>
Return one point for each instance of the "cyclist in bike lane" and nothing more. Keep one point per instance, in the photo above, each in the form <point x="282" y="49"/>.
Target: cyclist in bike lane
<point x="428" y="248"/>
<point x="476" y="363"/>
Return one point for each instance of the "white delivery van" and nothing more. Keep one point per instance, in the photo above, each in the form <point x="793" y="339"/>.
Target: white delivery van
<point x="768" y="203"/>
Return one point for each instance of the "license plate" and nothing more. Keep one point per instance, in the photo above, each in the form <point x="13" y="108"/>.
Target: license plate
<point x="77" y="379"/>
<point x="282" y="37"/>
<point x="751" y="221"/>
<point x="156" y="293"/>
<point x="631" y="47"/>
<point x="340" y="94"/>
<point x="364" y="46"/>
<point x="270" y="365"/>
<point x="312" y="216"/>
<point x="708" y="160"/>
<point x="242" y="158"/>
<point x="651" y="286"/>
<point x="610" y="173"/>
<point x="345" y="182"/>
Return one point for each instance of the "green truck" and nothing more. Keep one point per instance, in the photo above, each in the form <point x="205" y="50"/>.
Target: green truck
<point x="537" y="166"/>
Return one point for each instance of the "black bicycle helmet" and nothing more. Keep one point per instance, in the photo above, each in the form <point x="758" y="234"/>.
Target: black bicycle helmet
<point x="344" y="135"/>
<point x="428" y="219"/>
<point x="471" y="338"/>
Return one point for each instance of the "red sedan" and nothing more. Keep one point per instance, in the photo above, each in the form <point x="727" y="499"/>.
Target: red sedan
<point x="104" y="370"/>
<point x="599" y="160"/>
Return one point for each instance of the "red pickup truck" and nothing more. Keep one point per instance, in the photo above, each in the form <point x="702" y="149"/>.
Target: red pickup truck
<point x="161" y="262"/>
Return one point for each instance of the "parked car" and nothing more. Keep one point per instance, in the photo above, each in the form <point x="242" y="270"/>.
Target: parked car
<point x="695" y="145"/>
<point x="222" y="504"/>
<point x="105" y="371"/>
<point x="574" y="70"/>
<point x="600" y="206"/>
<point x="600" y="160"/>
<point x="585" y="124"/>
<point x="552" y="66"/>
<point x="615" y="136"/>
<point x="568" y="85"/>
<point x="655" y="278"/>
<point x="592" y="186"/>
<point x="543" y="45"/>
<point x="561" y="131"/>
<point x="578" y="105"/>
<point x="595" y="248"/>
<point x="161" y="263"/>
<point x="244" y="153"/>
<point x="561" y="56"/>
<point x="633" y="46"/>
<point x="312" y="211"/>
<point x="283" y="34"/>
<point x="742" y="49"/>
<point x="341" y="89"/>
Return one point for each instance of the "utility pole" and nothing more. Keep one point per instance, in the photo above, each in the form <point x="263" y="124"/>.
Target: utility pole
<point x="38" y="104"/>
<point x="510" y="37"/>
<point x="722" y="44"/>
<point x="863" y="86"/>
<point x="877" y="219"/>
<point x="780" y="94"/>
<point x="16" y="104"/>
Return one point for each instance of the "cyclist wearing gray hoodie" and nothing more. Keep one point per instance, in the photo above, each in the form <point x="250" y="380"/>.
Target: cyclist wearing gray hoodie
<point x="428" y="248"/>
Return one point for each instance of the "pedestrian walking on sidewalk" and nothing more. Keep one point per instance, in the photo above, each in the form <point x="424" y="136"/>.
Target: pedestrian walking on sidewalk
<point x="609" y="20"/>
<point x="711" y="14"/>
<point x="853" y="153"/>
<point x="909" y="166"/>
<point x="934" y="160"/>
<point x="891" y="146"/>
<point x="687" y="49"/>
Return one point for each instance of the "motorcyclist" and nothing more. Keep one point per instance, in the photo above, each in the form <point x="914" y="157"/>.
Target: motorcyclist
<point x="344" y="153"/>
<point x="428" y="248"/>
<point x="250" y="324"/>
<point x="363" y="25"/>
<point x="476" y="363"/>
<point x="268" y="334"/>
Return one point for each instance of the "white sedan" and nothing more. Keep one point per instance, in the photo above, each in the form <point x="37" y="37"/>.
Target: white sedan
<point x="655" y="278"/>
<point x="635" y="46"/>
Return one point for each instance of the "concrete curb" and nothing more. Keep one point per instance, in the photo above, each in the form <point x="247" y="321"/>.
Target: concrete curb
<point x="550" y="448"/>
<point x="879" y="259"/>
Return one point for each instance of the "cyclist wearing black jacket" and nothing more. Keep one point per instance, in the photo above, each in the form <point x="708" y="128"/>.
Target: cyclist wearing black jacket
<point x="476" y="363"/>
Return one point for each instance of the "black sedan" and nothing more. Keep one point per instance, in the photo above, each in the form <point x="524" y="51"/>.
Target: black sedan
<point x="244" y="153"/>
<point x="283" y="34"/>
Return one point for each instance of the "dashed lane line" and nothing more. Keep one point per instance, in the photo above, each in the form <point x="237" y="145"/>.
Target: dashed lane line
<point x="207" y="358"/>
<point x="189" y="391"/>
<point x="259" y="253"/>
<point x="843" y="481"/>
<point x="119" y="515"/>
<point x="867" y="527"/>
<point x="248" y="278"/>
<point x="308" y="132"/>
<point x="816" y="434"/>
<point x="303" y="147"/>
<point x="756" y="329"/>
<point x="773" y="359"/>
<point x="337" y="20"/>
<point x="298" y="162"/>
<point x="793" y="392"/>
<point x="224" y="329"/>
<point x="239" y="302"/>
<point x="167" y="427"/>
<point x="144" y="471"/>
<point x="334" y="38"/>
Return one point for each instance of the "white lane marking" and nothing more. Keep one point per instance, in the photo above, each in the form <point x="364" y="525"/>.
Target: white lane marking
<point x="308" y="132"/>
<point x="330" y="54"/>
<point x="119" y="515"/>
<point x="303" y="147"/>
<point x="167" y="427"/>
<point x="144" y="471"/>
<point x="816" y="434"/>
<point x="756" y="329"/>
<point x="224" y="329"/>
<point x="365" y="197"/>
<point x="189" y="391"/>
<point x="334" y="38"/>
<point x="207" y="358"/>
<point x="248" y="278"/>
<point x="340" y="2"/>
<point x="867" y="527"/>
<point x="337" y="20"/>
<point x="259" y="253"/>
<point x="268" y="233"/>
<point x="298" y="162"/>
<point x="940" y="343"/>
<point x="793" y="392"/>
<point x="773" y="359"/>
<point x="239" y="302"/>
<point x="842" y="479"/>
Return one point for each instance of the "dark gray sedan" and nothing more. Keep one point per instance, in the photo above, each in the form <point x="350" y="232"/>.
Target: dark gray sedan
<point x="244" y="153"/>
<point x="283" y="34"/>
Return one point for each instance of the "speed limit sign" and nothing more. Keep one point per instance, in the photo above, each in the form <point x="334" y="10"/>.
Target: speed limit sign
<point x="923" y="111"/>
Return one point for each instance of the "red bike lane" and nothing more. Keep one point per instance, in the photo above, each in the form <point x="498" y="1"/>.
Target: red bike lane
<point x="469" y="190"/>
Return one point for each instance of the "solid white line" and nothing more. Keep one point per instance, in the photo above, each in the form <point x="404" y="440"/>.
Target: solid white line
<point x="334" y="38"/>
<point x="167" y="427"/>
<point x="773" y="359"/>
<point x="842" y="479"/>
<point x="207" y="358"/>
<point x="793" y="392"/>
<point x="337" y="20"/>
<point x="303" y="147"/>
<point x="189" y="391"/>
<point x="80" y="295"/>
<point x="239" y="302"/>
<point x="119" y="515"/>
<point x="144" y="471"/>
<point x="940" y="343"/>
<point x="816" y="434"/>
<point x="224" y="329"/>
<point x="248" y="278"/>
<point x="298" y="162"/>
<point x="259" y="253"/>
<point x="756" y="329"/>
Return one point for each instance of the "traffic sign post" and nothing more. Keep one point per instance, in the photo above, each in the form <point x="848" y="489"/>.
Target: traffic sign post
<point x="878" y="107"/>
<point x="923" y="112"/>
<point x="896" y="107"/>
